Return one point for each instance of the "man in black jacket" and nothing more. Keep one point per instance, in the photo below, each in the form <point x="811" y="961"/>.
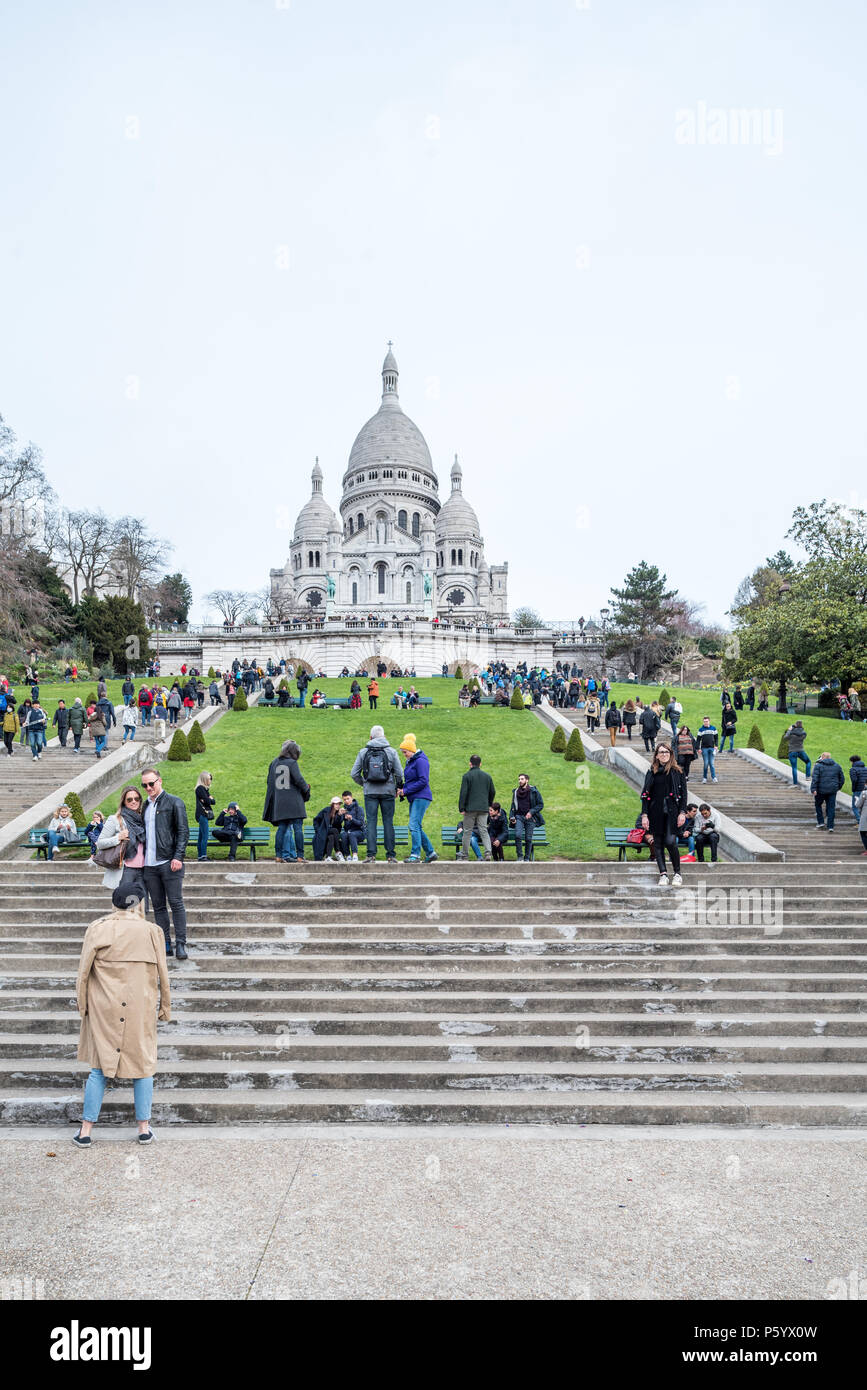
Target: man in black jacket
<point x="498" y="830"/>
<point x="302" y="680"/>
<point x="61" y="719"/>
<point x="229" y="828"/>
<point x="354" y="827"/>
<point x="167" y="834"/>
<point x="524" y="815"/>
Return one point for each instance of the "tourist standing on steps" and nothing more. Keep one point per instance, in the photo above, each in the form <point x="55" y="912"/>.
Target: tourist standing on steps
<point x="663" y="798"/>
<point x="474" y="800"/>
<point x="11" y="727"/>
<point x="729" y="725"/>
<point x="525" y="813"/>
<point x="145" y="704"/>
<point x="127" y="690"/>
<point x="205" y="804"/>
<point x="98" y="732"/>
<point x="129" y="720"/>
<point x="373" y="692"/>
<point x="77" y="722"/>
<point x="673" y="711"/>
<point x="796" y="737"/>
<point x="858" y="778"/>
<point x="229" y="828"/>
<point x="612" y="721"/>
<point x="122" y="965"/>
<point x="629" y="716"/>
<point x="650" y="725"/>
<point x="302" y="680"/>
<point x="126" y="828"/>
<point x="416" y="790"/>
<point x="285" y="799"/>
<point x="706" y="745"/>
<point x="61" y="720"/>
<point x="825" y="783"/>
<point x="167" y="834"/>
<point x="378" y="771"/>
<point x="685" y="749"/>
<point x="37" y="722"/>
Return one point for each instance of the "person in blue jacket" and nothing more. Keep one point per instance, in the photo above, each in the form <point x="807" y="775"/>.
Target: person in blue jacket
<point x="416" y="790"/>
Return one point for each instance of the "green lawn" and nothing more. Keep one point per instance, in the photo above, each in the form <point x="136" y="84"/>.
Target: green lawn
<point x="839" y="737"/>
<point x="241" y="746"/>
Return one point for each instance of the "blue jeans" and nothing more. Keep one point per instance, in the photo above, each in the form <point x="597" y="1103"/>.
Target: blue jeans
<point x="707" y="762"/>
<point x="202" y="846"/>
<point x="373" y="807"/>
<point x="53" y="841"/>
<point x="418" y="838"/>
<point x="603" y="699"/>
<point x="289" y="840"/>
<point x="731" y="739"/>
<point x="99" y="743"/>
<point x="793" y="763"/>
<point x="127" y="699"/>
<point x="688" y="840"/>
<point x="128" y="732"/>
<point x="475" y="846"/>
<point x="94" y="1090"/>
<point x="145" y="714"/>
<point x="301" y="694"/>
<point x="35" y="741"/>
<point x="829" y="799"/>
<point x="674" y="721"/>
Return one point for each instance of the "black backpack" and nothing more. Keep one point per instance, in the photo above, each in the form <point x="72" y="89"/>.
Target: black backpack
<point x="376" y="766"/>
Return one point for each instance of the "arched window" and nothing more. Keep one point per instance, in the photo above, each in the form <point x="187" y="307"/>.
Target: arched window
<point x="310" y="559"/>
<point x="351" y="526"/>
<point x="401" y="519"/>
<point x="360" y="521"/>
<point x="317" y="559"/>
<point x="380" y="578"/>
<point x="454" y="557"/>
<point x="460" y="557"/>
<point x="381" y="533"/>
<point x="416" y="523"/>
<point x="354" y="593"/>
<point x="409" y="591"/>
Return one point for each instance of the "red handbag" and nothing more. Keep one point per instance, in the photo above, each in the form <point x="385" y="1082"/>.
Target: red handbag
<point x="636" y="836"/>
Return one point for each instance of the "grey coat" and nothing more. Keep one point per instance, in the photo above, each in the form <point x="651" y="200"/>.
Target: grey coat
<point x="287" y="792"/>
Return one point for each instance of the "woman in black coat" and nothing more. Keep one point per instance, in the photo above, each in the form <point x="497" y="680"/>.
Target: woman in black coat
<point x="284" y="804"/>
<point x="663" y="798"/>
<point x="729" y="725"/>
<point x="629" y="717"/>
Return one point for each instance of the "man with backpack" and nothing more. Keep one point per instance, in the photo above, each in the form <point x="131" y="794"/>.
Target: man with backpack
<point x="378" y="772"/>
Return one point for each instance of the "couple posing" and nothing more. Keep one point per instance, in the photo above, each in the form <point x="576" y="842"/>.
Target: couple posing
<point x="152" y="834"/>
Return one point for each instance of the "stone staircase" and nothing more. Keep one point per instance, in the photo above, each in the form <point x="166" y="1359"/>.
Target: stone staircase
<point x="773" y="809"/>
<point x="562" y="993"/>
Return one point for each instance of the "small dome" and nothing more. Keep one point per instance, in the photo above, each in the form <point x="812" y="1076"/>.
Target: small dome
<point x="456" y="517"/>
<point x="316" y="518"/>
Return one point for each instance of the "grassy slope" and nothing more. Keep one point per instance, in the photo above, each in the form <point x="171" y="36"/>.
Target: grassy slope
<point x="839" y="737"/>
<point x="241" y="746"/>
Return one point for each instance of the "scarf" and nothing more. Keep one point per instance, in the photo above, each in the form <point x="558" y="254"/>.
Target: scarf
<point x="134" y="822"/>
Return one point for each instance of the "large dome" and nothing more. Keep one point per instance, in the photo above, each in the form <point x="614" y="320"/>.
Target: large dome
<point x="456" y="516"/>
<point x="390" y="436"/>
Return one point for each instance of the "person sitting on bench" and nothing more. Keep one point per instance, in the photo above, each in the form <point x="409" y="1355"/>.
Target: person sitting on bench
<point x="353" y="829"/>
<point x="229" y="828"/>
<point x="706" y="831"/>
<point x="686" y="832"/>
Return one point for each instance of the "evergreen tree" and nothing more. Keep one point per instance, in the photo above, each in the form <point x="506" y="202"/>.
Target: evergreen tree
<point x="459" y="675"/>
<point x="212" y="675"/>
<point x="664" y="698"/>
<point x="179" y="748"/>
<point x="755" y="739"/>
<point x="240" y="702"/>
<point x="575" y="752"/>
<point x="558" y="740"/>
<point x="76" y="810"/>
<point x="783" y="748"/>
<point x="195" y="738"/>
<point x="645" y="619"/>
<point x="517" y="700"/>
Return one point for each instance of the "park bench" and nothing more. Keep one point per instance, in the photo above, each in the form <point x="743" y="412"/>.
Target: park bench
<point x="333" y="702"/>
<point x="615" y="838"/>
<point x="38" y="840"/>
<point x="452" y="835"/>
<point x="401" y="835"/>
<point x="273" y="702"/>
<point x="251" y="837"/>
<point x="422" y="700"/>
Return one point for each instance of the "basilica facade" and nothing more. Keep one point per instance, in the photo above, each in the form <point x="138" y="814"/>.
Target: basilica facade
<point x="393" y="547"/>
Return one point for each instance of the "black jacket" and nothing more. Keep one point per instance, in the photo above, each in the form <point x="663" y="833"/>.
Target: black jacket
<point x="612" y="717"/>
<point x="61" y="719"/>
<point x="232" y="821"/>
<point x="354" y="818"/>
<point x="676" y="799"/>
<point x="287" y="792"/>
<point x="498" y="827"/>
<point x="172" y="826"/>
<point x="321" y="826"/>
<point x="302" y="680"/>
<point x="536" y="804"/>
<point x="204" y="803"/>
<point x="649" y="722"/>
<point x="729" y="721"/>
<point x="858" y="777"/>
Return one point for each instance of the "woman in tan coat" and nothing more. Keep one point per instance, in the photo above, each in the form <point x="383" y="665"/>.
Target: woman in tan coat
<point x="122" y="959"/>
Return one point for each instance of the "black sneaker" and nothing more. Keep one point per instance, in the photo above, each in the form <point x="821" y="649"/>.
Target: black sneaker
<point x="81" y="1143"/>
<point x="148" y="1136"/>
<point x="169" y="951"/>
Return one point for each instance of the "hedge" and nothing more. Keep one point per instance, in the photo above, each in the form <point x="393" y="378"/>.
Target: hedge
<point x="240" y="702"/>
<point x="517" y="700"/>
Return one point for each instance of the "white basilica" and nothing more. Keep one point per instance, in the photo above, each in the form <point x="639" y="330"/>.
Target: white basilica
<point x="394" y="548"/>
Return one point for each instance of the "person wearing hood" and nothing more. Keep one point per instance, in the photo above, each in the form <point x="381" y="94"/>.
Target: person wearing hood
<point x="858" y="778"/>
<point x="416" y="790"/>
<point x="378" y="772"/>
<point x="122" y="982"/>
<point x="285" y="796"/>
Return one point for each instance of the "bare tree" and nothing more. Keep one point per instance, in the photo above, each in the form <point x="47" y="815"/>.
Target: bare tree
<point x="138" y="555"/>
<point x="25" y="606"/>
<point x="229" y="602"/>
<point x="83" y="544"/>
<point x="22" y="479"/>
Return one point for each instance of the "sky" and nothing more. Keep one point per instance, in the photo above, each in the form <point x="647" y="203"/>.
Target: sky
<point x="638" y="321"/>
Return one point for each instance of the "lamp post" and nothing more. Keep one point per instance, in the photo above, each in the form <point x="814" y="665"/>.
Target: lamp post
<point x="158" y="608"/>
<point x="604" y="614"/>
<point x="783" y="593"/>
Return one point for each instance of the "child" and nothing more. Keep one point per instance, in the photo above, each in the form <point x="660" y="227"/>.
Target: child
<point x="93" y="830"/>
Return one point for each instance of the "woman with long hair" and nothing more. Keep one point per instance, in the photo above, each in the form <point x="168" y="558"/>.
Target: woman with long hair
<point x="127" y="829"/>
<point x="685" y="749"/>
<point x="205" y="804"/>
<point x="663" y="799"/>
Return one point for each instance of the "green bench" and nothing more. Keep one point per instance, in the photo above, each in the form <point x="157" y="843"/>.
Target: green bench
<point x="422" y="700"/>
<point x="38" y="840"/>
<point x="401" y="835"/>
<point x="452" y="835"/>
<point x="615" y="838"/>
<point x="251" y="837"/>
<point x="333" y="702"/>
<point x="273" y="703"/>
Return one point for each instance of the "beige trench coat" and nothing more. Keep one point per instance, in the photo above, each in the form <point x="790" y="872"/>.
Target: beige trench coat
<point x="122" y="958"/>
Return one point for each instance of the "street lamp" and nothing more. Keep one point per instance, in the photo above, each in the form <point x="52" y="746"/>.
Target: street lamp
<point x="604" y="614"/>
<point x="783" y="593"/>
<point x="158" y="608"/>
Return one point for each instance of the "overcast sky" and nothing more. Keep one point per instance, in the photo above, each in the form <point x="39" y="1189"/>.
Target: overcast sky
<point x="644" y="341"/>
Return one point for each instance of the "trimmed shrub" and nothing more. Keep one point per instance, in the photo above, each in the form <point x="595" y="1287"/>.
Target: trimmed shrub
<point x="558" y="740"/>
<point x="517" y="700"/>
<point x="179" y="748"/>
<point x="89" y="699"/>
<point x="195" y="738"/>
<point x="783" y="749"/>
<point x="575" y="748"/>
<point x="459" y="675"/>
<point x="284" y="684"/>
<point x="664" y="698"/>
<point x="212" y="675"/>
<point x="755" y="739"/>
<point x="240" y="702"/>
<point x="76" y="810"/>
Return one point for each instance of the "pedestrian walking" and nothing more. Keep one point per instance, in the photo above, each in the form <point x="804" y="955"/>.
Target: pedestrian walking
<point x="663" y="798"/>
<point x="629" y="715"/>
<point x="372" y="692"/>
<point x="167" y="834"/>
<point x="685" y="749"/>
<point x="121" y="990"/>
<point x="613" y="719"/>
<point x="285" y="797"/>
<point x="729" y="725"/>
<point x="796" y="737"/>
<point x="129" y="720"/>
<point x="61" y="722"/>
<point x="650" y="724"/>
<point x="706" y="744"/>
<point x="11" y="726"/>
<point x="416" y="790"/>
<point x="35" y="726"/>
<point x="858" y="779"/>
<point x="826" y="781"/>
<point x="97" y="730"/>
<point x="378" y="772"/>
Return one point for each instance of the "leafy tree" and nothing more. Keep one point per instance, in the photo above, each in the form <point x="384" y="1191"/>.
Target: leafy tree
<point x="117" y="630"/>
<point x="525" y="618"/>
<point x="575" y="750"/>
<point x="195" y="738"/>
<point x="517" y="700"/>
<point x="179" y="748"/>
<point x="240" y="702"/>
<point x="755" y="739"/>
<point x="644" y="620"/>
<point x="558" y="740"/>
<point x="174" y="595"/>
